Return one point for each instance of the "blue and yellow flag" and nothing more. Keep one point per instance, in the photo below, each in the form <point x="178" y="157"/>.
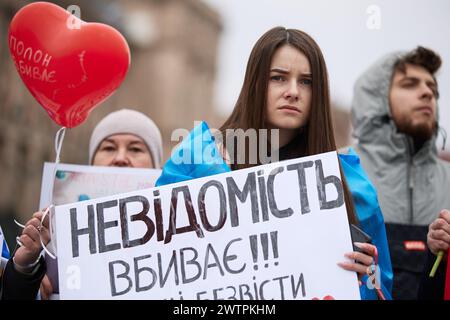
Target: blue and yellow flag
<point x="4" y="246"/>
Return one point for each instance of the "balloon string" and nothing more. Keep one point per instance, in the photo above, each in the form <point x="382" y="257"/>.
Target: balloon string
<point x="59" y="138"/>
<point x="19" y="224"/>
<point x="53" y="256"/>
<point x="58" y="142"/>
<point x="46" y="211"/>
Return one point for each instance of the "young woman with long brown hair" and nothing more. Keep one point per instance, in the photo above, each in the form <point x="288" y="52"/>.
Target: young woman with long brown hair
<point x="286" y="89"/>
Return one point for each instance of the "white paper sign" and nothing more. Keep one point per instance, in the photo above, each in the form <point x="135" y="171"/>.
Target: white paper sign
<point x="270" y="232"/>
<point x="75" y="183"/>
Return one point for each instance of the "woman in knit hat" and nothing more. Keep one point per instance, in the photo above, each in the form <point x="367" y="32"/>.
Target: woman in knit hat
<point x="126" y="138"/>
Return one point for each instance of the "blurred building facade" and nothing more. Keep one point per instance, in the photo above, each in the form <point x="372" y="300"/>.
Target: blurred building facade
<point x="173" y="47"/>
<point x="342" y="126"/>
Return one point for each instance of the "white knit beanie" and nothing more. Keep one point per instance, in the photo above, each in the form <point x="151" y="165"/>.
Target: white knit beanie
<point x="126" y="121"/>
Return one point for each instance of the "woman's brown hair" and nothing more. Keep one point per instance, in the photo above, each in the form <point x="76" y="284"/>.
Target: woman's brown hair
<point x="250" y="109"/>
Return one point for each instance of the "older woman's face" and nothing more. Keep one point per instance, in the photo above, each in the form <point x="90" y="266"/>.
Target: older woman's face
<point x="123" y="150"/>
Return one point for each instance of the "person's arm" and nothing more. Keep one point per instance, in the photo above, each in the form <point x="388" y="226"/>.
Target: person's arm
<point x="24" y="271"/>
<point x="362" y="264"/>
<point x="20" y="285"/>
<point x="438" y="239"/>
<point x="383" y="276"/>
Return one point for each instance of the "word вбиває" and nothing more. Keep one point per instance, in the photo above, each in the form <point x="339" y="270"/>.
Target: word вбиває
<point x="188" y="265"/>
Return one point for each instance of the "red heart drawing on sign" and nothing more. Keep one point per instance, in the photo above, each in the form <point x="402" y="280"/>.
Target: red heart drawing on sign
<point x="68" y="65"/>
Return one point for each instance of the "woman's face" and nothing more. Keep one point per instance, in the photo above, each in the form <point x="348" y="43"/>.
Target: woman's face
<point x="289" y="90"/>
<point x="123" y="150"/>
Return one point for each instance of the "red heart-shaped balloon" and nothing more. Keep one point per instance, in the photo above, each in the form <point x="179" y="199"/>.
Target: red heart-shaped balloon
<point x="68" y="65"/>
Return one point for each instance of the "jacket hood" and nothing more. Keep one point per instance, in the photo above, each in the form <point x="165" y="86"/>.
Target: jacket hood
<point x="371" y="94"/>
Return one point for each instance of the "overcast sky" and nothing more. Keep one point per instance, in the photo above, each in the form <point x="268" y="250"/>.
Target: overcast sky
<point x="340" y="27"/>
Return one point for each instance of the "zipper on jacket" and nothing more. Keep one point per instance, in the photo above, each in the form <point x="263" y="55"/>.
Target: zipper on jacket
<point x="410" y="178"/>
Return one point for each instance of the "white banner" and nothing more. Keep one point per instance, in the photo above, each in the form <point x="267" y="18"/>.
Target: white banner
<point x="74" y="183"/>
<point x="270" y="232"/>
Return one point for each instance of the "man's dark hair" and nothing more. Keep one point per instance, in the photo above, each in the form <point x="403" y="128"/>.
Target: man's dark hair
<point x="422" y="57"/>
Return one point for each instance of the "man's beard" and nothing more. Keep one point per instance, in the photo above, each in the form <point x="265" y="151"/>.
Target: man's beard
<point x="420" y="132"/>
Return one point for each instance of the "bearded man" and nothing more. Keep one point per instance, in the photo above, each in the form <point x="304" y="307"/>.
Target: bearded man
<point x="395" y="119"/>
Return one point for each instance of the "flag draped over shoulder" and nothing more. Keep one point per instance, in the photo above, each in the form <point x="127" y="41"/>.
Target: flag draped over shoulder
<point x="370" y="219"/>
<point x="197" y="156"/>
